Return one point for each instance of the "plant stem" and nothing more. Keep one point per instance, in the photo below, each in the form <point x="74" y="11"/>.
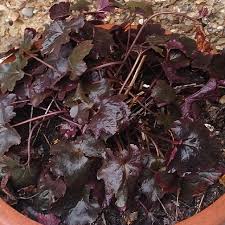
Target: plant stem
<point x="141" y="29"/>
<point x="29" y="143"/>
<point x="136" y="74"/>
<point x="104" y="65"/>
<point x="131" y="72"/>
<point x="38" y="118"/>
<point x="43" y="62"/>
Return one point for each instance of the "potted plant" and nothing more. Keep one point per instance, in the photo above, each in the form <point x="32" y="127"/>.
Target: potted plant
<point x="62" y="72"/>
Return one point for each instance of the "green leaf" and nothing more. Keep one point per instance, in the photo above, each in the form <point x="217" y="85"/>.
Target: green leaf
<point x="139" y="7"/>
<point x="77" y="65"/>
<point x="10" y="73"/>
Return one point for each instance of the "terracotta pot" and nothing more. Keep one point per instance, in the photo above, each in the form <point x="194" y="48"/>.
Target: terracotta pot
<point x="213" y="215"/>
<point x="9" y="216"/>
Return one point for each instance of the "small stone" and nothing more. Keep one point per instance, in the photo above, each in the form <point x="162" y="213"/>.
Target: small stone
<point x="220" y="28"/>
<point x="141" y="21"/>
<point x="222" y="100"/>
<point x="13" y="16"/>
<point x="74" y="111"/>
<point x="209" y="127"/>
<point x="28" y="12"/>
<point x="200" y="1"/>
<point x="221" y="41"/>
<point x="3" y="8"/>
<point x="35" y="11"/>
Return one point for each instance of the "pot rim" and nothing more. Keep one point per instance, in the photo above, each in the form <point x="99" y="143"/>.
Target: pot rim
<point x="212" y="215"/>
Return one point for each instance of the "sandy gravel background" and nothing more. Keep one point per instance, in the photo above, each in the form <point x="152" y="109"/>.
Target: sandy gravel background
<point x="16" y="15"/>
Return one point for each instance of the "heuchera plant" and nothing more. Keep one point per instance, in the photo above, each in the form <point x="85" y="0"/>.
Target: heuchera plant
<point x="93" y="119"/>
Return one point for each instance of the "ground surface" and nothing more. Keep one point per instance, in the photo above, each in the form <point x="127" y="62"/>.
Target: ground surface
<point x="15" y="15"/>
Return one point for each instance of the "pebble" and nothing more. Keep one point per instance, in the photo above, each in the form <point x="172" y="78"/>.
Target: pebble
<point x="141" y="21"/>
<point x="13" y="16"/>
<point x="222" y="100"/>
<point x="209" y="127"/>
<point x="220" y="28"/>
<point x="74" y="111"/>
<point x="28" y="12"/>
<point x="3" y="8"/>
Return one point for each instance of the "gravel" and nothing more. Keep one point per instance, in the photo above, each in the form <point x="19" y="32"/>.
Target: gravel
<point x="16" y="15"/>
<point x="28" y="12"/>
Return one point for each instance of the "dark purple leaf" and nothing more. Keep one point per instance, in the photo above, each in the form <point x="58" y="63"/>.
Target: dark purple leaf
<point x="195" y="151"/>
<point x="201" y="61"/>
<point x="64" y="88"/>
<point x="189" y="44"/>
<point x="163" y="93"/>
<point x="151" y="190"/>
<point x="28" y="39"/>
<point x="8" y="138"/>
<point x="47" y="219"/>
<point x="50" y="191"/>
<point x="177" y="59"/>
<point x="112" y="114"/>
<point x="68" y="130"/>
<point x="90" y="146"/>
<point x="205" y="92"/>
<point x="153" y="33"/>
<point x="92" y="88"/>
<point x="175" y="44"/>
<point x="60" y="10"/>
<point x="102" y="5"/>
<point x="216" y="67"/>
<point x="6" y="108"/>
<point x="118" y="171"/>
<point x="45" y="82"/>
<point x="85" y="212"/>
<point x="168" y="182"/>
<point x="196" y="184"/>
<point x="103" y="43"/>
<point x="203" y="12"/>
<point x="57" y="34"/>
<point x="171" y="73"/>
<point x="69" y="162"/>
